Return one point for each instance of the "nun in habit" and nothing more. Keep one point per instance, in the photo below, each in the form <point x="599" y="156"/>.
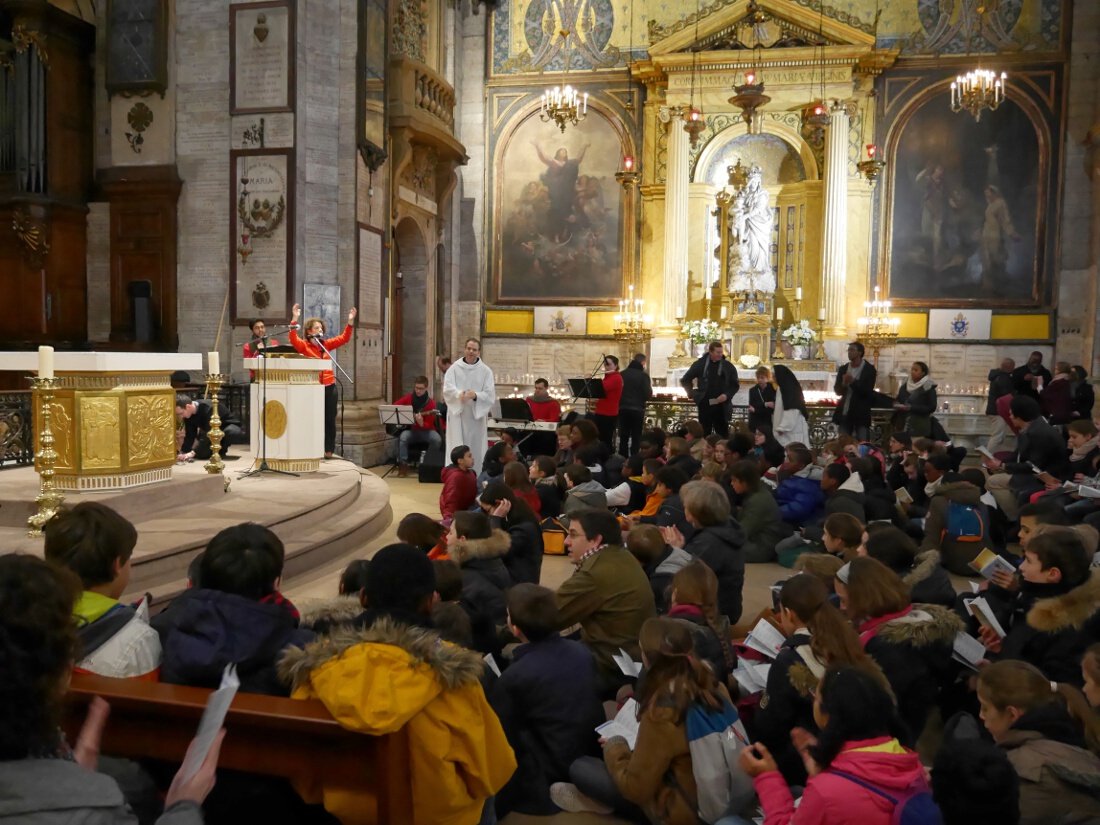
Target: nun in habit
<point x="470" y="392"/>
<point x="789" y="417"/>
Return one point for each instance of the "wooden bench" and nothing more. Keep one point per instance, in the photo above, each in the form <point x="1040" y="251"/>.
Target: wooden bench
<point x="266" y="735"/>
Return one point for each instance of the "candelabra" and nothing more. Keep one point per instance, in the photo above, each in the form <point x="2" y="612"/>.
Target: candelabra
<point x="49" y="498"/>
<point x="977" y="90"/>
<point x="878" y="328"/>
<point x="215" y="465"/>
<point x="819" y="351"/>
<point x="632" y="327"/>
<point x="680" y="351"/>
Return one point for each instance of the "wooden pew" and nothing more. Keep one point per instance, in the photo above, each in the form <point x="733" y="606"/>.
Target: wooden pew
<point x="266" y="735"/>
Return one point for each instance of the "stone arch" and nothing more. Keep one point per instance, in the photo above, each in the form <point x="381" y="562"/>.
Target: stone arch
<point x="798" y="146"/>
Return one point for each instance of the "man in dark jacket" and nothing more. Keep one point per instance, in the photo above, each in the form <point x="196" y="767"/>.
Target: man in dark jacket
<point x="546" y="700"/>
<point x="1031" y="377"/>
<point x="637" y="390"/>
<point x="715" y="384"/>
<point x="855" y="383"/>
<point x="1039" y="446"/>
<point x="196" y="417"/>
<point x="1001" y="383"/>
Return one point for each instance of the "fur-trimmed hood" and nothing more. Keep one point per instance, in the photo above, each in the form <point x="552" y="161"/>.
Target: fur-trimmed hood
<point x="924" y="565"/>
<point x="924" y="626"/>
<point x="1070" y="610"/>
<point x="453" y="666"/>
<point x="327" y="613"/>
<point x="494" y="547"/>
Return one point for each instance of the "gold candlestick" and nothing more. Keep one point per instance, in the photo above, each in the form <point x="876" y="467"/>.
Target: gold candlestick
<point x="777" y="353"/>
<point x="680" y="352"/>
<point x="49" y="497"/>
<point x="819" y="353"/>
<point x="215" y="464"/>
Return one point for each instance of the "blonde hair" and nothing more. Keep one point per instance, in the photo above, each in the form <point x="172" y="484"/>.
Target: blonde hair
<point x="874" y="590"/>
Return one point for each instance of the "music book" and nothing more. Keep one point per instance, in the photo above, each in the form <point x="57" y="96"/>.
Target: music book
<point x="625" y="724"/>
<point x="987" y="563"/>
<point x="764" y="638"/>
<point x="967" y="650"/>
<point x="979" y="608"/>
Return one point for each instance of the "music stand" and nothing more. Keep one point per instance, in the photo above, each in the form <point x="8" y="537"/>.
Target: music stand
<point x="515" y="409"/>
<point x="587" y="388"/>
<point x="395" y="415"/>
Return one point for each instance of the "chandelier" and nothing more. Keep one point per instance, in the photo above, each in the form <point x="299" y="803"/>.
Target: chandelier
<point x="632" y="326"/>
<point x="564" y="105"/>
<point x="977" y="90"/>
<point x="877" y="327"/>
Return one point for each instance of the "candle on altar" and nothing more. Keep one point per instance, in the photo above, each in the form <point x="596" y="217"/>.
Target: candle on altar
<point x="679" y="312"/>
<point x="213" y="363"/>
<point x="798" y="293"/>
<point x="45" y="362"/>
<point x="821" y="314"/>
<point x="723" y="313"/>
<point x="779" y="313"/>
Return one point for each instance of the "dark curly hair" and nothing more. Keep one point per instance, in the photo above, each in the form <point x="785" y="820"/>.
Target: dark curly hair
<point x="858" y="707"/>
<point x="37" y="647"/>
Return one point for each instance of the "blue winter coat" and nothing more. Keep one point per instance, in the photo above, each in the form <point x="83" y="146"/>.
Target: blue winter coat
<point x="800" y="500"/>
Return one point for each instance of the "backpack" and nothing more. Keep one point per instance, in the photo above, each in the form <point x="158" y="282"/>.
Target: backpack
<point x="912" y="806"/>
<point x="964" y="523"/>
<point x="553" y="536"/>
<point x="715" y="740"/>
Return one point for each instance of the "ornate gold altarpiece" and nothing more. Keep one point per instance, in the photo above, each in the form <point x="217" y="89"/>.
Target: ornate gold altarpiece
<point x="113" y="415"/>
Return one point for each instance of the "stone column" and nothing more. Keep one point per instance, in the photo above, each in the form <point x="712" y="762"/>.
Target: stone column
<point x="676" y="215"/>
<point x="834" y="255"/>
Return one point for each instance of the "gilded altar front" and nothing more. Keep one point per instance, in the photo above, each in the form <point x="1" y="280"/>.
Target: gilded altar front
<point x="112" y="416"/>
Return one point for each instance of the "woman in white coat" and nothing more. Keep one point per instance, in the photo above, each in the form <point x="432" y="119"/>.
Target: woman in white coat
<point x="789" y="418"/>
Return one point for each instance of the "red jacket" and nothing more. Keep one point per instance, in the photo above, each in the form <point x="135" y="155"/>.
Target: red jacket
<point x="311" y="350"/>
<point x="429" y="420"/>
<point x="459" y="491"/>
<point x="545" y="410"/>
<point x="613" y="389"/>
<point x="831" y="799"/>
<point x="532" y="498"/>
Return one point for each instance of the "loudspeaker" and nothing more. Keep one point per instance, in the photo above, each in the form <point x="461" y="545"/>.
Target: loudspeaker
<point x="431" y="466"/>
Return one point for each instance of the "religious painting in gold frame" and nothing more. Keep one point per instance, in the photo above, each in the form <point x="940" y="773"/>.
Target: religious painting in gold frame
<point x="563" y="230"/>
<point x="971" y="206"/>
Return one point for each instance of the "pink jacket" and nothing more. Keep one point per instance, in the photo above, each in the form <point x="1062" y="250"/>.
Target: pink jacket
<point x="833" y="800"/>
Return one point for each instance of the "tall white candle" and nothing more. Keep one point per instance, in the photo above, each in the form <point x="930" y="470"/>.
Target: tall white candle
<point x="213" y="363"/>
<point x="679" y="312"/>
<point x="723" y="313"/>
<point x="798" y="293"/>
<point x="779" y="313"/>
<point x="821" y="314"/>
<point x="45" y="362"/>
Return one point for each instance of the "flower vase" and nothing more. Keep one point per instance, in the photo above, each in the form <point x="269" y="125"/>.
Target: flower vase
<point x="699" y="349"/>
<point x="800" y="352"/>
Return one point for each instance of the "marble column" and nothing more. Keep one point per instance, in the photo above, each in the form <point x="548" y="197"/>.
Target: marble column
<point x="676" y="216"/>
<point x="834" y="257"/>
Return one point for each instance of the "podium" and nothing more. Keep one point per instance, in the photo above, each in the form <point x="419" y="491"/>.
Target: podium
<point x="113" y="415"/>
<point x="292" y="421"/>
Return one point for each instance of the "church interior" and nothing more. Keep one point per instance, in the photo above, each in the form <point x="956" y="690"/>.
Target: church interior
<point x="185" y="183"/>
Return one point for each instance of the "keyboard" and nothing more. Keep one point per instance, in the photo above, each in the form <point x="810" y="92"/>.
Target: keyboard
<point x="524" y="426"/>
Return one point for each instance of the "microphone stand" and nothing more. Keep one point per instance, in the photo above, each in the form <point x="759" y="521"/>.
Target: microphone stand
<point x="320" y="342"/>
<point x="260" y="428"/>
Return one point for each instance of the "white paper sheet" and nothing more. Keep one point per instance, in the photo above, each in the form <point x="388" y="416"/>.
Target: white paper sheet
<point x="625" y="724"/>
<point x="217" y="706"/>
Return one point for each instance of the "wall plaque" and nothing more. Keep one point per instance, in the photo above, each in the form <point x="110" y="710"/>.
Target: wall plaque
<point x="261" y="57"/>
<point x="262" y="209"/>
<point x="370" y="275"/>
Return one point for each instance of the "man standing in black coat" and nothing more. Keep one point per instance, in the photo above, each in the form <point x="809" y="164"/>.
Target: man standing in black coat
<point x="637" y="390"/>
<point x="1031" y="377"/>
<point x="1039" y="446"/>
<point x="196" y="417"/>
<point x="855" y="383"/>
<point x="1001" y="382"/>
<point x="717" y="384"/>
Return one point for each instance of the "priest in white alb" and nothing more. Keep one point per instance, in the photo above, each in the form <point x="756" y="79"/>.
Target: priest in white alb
<point x="470" y="392"/>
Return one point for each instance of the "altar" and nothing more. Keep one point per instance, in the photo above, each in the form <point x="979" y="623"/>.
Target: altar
<point x="112" y="415"/>
<point x="815" y="377"/>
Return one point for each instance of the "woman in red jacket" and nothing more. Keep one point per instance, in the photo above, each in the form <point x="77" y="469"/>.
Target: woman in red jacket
<point x="606" y="413"/>
<point x="312" y="347"/>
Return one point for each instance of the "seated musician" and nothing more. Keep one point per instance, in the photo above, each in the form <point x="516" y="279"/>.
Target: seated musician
<point x="423" y="432"/>
<point x="543" y="407"/>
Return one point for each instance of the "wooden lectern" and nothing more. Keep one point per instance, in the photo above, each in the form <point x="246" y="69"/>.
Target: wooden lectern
<point x="288" y="412"/>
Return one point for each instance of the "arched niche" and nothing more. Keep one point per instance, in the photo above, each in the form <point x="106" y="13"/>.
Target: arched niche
<point x="782" y="154"/>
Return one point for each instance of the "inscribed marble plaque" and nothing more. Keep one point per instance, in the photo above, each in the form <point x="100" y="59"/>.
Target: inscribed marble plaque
<point x="949" y="368"/>
<point x="261" y="60"/>
<point x="370" y="276"/>
<point x="274" y="130"/>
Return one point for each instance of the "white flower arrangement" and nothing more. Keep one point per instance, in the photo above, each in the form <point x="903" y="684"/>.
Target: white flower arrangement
<point x="799" y="335"/>
<point x="700" y="332"/>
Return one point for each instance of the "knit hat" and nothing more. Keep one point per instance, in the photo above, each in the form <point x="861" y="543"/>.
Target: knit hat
<point x="399" y="576"/>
